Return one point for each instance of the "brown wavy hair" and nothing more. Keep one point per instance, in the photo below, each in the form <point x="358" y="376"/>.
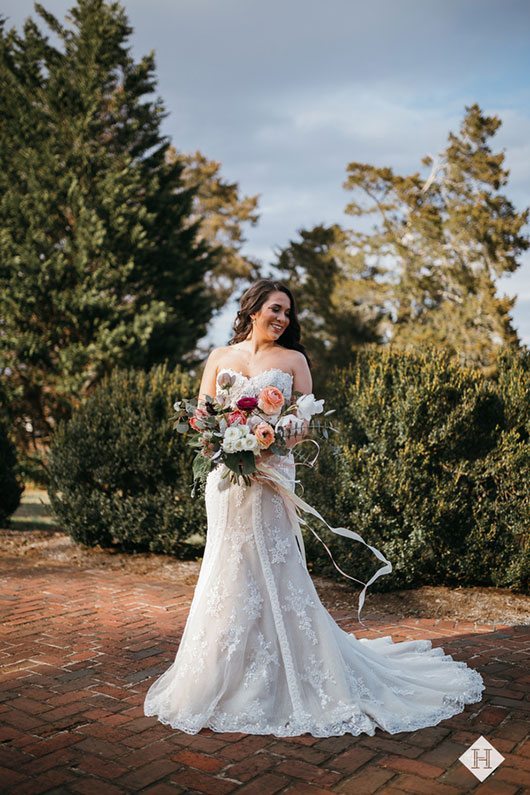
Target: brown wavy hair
<point x="252" y="300"/>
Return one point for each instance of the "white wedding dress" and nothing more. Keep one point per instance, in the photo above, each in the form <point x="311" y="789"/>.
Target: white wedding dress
<point x="260" y="653"/>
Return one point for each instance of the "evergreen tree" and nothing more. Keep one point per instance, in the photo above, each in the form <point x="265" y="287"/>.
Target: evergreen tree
<point x="100" y="260"/>
<point x="11" y="487"/>
<point x="340" y="303"/>
<point x="443" y="242"/>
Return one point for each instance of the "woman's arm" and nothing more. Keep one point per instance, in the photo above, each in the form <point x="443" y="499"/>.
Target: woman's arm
<point x="302" y="379"/>
<point x="302" y="382"/>
<point x="208" y="381"/>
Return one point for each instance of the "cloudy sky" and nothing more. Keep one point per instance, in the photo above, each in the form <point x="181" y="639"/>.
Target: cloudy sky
<point x="285" y="93"/>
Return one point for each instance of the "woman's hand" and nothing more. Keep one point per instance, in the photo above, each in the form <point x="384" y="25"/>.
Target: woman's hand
<point x="302" y="428"/>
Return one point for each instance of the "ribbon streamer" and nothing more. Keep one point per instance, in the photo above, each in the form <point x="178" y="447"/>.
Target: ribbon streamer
<point x="282" y="484"/>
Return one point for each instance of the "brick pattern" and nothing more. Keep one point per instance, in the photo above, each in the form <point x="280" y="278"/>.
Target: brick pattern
<point x="79" y="649"/>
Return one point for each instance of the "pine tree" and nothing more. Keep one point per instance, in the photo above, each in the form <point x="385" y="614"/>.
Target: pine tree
<point x="100" y="261"/>
<point x="442" y="243"/>
<point x="340" y="303"/>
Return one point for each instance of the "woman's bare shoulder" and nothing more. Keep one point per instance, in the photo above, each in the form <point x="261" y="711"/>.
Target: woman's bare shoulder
<point x="296" y="359"/>
<point x="296" y="356"/>
<point x="288" y="359"/>
<point x="217" y="353"/>
<point x="220" y="357"/>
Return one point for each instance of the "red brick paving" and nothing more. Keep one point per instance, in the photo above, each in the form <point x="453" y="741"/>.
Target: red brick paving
<point x="79" y="649"/>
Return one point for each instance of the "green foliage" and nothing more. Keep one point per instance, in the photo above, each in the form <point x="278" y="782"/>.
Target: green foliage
<point x="11" y="487"/>
<point x="446" y="240"/>
<point x="419" y="267"/>
<point x="119" y="473"/>
<point x="338" y="298"/>
<point x="101" y="265"/>
<point x="431" y="466"/>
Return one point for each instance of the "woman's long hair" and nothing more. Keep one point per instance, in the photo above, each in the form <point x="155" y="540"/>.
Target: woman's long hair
<point x="252" y="300"/>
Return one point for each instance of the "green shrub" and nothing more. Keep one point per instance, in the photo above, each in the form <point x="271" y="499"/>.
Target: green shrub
<point x="512" y="379"/>
<point x="501" y="509"/>
<point x="429" y="467"/>
<point x="11" y="487"/>
<point x="120" y="475"/>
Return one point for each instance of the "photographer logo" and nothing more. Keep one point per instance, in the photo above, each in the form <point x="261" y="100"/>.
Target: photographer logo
<point x="481" y="758"/>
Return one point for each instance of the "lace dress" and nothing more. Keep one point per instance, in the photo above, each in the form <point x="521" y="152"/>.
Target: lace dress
<point x="260" y="653"/>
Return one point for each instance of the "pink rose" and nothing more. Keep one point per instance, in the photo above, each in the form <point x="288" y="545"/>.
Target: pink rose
<point x="236" y="417"/>
<point x="199" y="414"/>
<point x="247" y="403"/>
<point x="271" y="400"/>
<point x="264" y="433"/>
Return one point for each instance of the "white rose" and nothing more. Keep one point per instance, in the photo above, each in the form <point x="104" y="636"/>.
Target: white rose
<point x="231" y="434"/>
<point x="231" y="437"/>
<point x="252" y="443"/>
<point x="227" y="446"/>
<point x="307" y="406"/>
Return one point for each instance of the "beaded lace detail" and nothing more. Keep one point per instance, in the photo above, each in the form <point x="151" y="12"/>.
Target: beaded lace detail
<point x="260" y="653"/>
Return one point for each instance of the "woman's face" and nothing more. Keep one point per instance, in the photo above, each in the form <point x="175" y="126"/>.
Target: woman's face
<point x="273" y="317"/>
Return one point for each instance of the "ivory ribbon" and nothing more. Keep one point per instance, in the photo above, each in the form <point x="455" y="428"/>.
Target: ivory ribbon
<point x="282" y="484"/>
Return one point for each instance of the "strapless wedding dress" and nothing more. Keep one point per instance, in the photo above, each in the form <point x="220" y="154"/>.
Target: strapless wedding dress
<point x="260" y="653"/>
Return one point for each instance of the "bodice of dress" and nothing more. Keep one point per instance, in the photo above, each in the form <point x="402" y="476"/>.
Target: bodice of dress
<point x="250" y="386"/>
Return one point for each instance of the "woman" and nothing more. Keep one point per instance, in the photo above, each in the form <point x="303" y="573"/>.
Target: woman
<point x="259" y="652"/>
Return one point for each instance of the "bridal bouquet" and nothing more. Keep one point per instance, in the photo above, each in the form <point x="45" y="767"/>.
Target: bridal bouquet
<point x="238" y="436"/>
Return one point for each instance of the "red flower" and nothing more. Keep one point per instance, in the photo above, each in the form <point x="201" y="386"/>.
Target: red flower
<point x="247" y="403"/>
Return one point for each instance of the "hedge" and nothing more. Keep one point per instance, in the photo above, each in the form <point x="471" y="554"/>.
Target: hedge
<point x="120" y="475"/>
<point x="431" y="466"/>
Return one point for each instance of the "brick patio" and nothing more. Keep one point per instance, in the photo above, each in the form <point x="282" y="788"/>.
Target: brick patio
<point x="79" y="649"/>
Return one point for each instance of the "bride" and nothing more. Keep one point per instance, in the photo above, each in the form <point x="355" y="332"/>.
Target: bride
<point x="260" y="653"/>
